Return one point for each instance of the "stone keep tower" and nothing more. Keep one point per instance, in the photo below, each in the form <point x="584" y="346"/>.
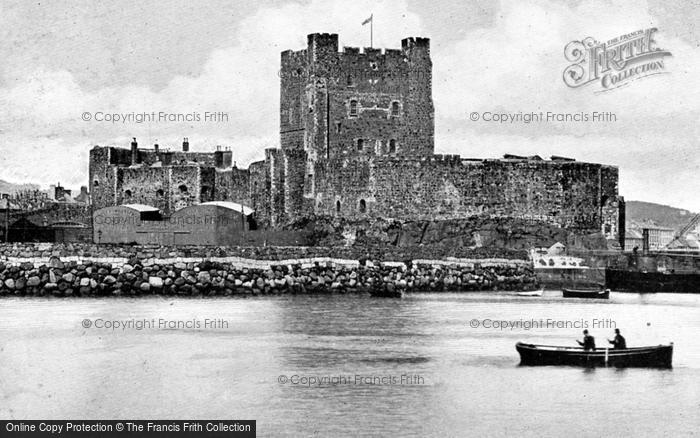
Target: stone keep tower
<point x="352" y="104"/>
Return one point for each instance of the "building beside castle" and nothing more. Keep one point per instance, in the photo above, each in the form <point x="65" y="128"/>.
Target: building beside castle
<point x="357" y="141"/>
<point x="165" y="179"/>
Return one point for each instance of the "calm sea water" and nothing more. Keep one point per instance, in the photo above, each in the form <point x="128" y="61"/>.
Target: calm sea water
<point x="464" y="381"/>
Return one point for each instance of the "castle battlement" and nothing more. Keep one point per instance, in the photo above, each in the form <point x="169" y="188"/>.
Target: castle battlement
<point x="325" y="44"/>
<point x="453" y="159"/>
<point x="372" y="51"/>
<point x="415" y="42"/>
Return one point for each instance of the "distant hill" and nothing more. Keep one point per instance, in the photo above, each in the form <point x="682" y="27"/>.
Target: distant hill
<point x="7" y="187"/>
<point x="639" y="212"/>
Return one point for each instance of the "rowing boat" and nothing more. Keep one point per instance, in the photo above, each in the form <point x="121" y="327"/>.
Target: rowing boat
<point x="586" y="293"/>
<point x="659" y="356"/>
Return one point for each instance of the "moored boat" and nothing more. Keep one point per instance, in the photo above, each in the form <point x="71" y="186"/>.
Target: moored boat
<point x="586" y="293"/>
<point x="631" y="280"/>
<point x="659" y="356"/>
<point x="534" y="293"/>
<point x="385" y="293"/>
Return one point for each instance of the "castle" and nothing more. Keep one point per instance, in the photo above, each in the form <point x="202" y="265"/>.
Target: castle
<point x="357" y="141"/>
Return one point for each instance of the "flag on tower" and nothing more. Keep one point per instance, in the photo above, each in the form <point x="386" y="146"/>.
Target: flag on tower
<point x="369" y="20"/>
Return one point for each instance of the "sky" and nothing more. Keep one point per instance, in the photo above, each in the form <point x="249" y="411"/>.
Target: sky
<point x="63" y="59"/>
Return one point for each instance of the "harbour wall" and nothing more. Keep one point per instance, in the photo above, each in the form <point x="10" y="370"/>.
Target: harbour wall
<point x="50" y="271"/>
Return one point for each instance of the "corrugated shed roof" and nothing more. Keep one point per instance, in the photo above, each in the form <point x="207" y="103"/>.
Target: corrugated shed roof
<point x="140" y="207"/>
<point x="232" y="206"/>
<point x="634" y="234"/>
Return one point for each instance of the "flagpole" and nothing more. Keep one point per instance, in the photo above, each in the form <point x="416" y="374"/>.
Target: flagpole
<point x="370" y="20"/>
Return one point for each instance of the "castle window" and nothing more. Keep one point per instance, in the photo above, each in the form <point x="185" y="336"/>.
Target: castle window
<point x="127" y="193"/>
<point x="363" y="206"/>
<point x="183" y="189"/>
<point x="360" y="144"/>
<point x="309" y="184"/>
<point x="337" y="206"/>
<point x="291" y="115"/>
<point x="159" y="193"/>
<point x="349" y="80"/>
<point x="95" y="183"/>
<point x="392" y="146"/>
<point x="337" y="127"/>
<point x="353" y="108"/>
<point x="395" y="109"/>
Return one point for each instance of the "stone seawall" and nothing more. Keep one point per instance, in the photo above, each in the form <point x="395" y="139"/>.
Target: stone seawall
<point x="237" y="276"/>
<point x="40" y="252"/>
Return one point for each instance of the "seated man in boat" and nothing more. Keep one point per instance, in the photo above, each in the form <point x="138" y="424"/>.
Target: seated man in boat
<point x="588" y="341"/>
<point x="619" y="341"/>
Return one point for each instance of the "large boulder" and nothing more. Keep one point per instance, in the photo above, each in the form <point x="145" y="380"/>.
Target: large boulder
<point x="204" y="277"/>
<point x="55" y="262"/>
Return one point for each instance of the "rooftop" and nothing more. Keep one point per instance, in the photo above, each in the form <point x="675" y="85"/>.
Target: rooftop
<point x="140" y="207"/>
<point x="232" y="206"/>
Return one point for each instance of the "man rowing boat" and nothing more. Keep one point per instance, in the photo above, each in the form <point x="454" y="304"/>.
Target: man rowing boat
<point x="619" y="342"/>
<point x="588" y="341"/>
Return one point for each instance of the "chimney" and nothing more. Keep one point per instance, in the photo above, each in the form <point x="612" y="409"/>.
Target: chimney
<point x="645" y="241"/>
<point x="155" y="146"/>
<point x="185" y="145"/>
<point x="134" y="151"/>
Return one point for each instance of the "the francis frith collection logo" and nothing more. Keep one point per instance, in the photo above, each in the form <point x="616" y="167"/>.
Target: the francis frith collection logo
<point x="614" y="63"/>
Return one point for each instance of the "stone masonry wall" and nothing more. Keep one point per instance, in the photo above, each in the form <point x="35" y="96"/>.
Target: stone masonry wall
<point x="260" y="185"/>
<point x="102" y="178"/>
<point x="568" y="194"/>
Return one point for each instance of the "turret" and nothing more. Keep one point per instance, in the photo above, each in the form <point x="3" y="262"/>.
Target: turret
<point x="322" y="52"/>
<point x="223" y="157"/>
<point x="134" y="151"/>
<point x="321" y="44"/>
<point x="418" y="110"/>
<point x="413" y="46"/>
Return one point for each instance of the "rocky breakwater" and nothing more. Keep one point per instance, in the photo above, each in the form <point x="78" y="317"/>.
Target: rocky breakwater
<point x="236" y="276"/>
